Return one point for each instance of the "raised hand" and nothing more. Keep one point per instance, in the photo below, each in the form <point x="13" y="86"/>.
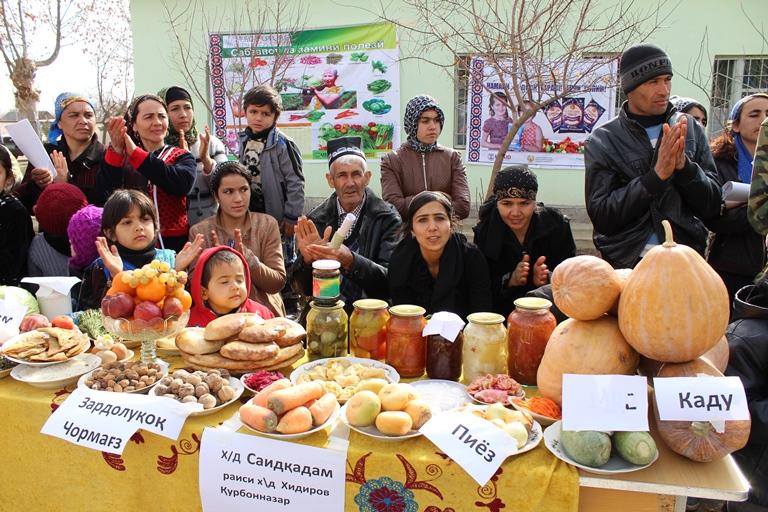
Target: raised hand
<point x="325" y="252"/>
<point x="540" y="271"/>
<point x="680" y="160"/>
<point x="190" y="252"/>
<point x="60" y="163"/>
<point x="115" y="127"/>
<point x="520" y="275"/>
<point x="130" y="146"/>
<point x="205" y="141"/>
<point x="42" y="177"/>
<point x="112" y="260"/>
<point x="668" y="151"/>
<point x="182" y="141"/>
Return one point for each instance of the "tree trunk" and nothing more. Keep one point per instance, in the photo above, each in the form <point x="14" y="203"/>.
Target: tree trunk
<point x="23" y="78"/>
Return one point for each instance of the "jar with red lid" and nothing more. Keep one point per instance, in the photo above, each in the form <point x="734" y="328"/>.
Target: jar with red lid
<point x="528" y="329"/>
<point x="406" y="345"/>
<point x="368" y="329"/>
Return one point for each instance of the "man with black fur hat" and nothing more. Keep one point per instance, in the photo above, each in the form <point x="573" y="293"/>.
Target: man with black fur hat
<point x="648" y="164"/>
<point x="364" y="254"/>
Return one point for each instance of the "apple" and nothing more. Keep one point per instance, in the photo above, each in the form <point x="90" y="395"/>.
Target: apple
<point x="146" y="311"/>
<point x="119" y="305"/>
<point x="172" y="307"/>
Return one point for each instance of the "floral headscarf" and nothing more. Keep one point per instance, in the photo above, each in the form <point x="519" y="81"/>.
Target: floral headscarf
<point x="63" y="100"/>
<point x="415" y="107"/>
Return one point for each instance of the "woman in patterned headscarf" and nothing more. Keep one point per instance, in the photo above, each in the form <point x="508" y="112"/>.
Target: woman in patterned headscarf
<point x="75" y="152"/>
<point x="422" y="164"/>
<point x="522" y="240"/>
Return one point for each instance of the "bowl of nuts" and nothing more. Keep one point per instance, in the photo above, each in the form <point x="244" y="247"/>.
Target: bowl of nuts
<point x="117" y="377"/>
<point x="214" y="389"/>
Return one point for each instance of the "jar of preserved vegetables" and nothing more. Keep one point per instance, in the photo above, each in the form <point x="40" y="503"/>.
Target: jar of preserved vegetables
<point x="406" y="346"/>
<point x="444" y="357"/>
<point x="368" y="329"/>
<point x="485" y="346"/>
<point x="326" y="281"/>
<point x="528" y="329"/>
<point x="326" y="331"/>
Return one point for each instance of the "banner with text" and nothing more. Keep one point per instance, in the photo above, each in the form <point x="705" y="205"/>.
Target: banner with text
<point x="555" y="135"/>
<point x="333" y="82"/>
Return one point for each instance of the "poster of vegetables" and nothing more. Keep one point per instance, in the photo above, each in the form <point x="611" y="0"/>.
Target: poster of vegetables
<point x="333" y="82"/>
<point x="555" y="136"/>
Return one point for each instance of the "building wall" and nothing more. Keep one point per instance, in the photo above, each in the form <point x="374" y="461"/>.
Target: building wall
<point x="680" y="34"/>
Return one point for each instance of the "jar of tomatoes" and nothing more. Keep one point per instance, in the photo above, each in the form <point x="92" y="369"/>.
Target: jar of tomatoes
<point x="528" y="329"/>
<point x="406" y="345"/>
<point x="368" y="329"/>
<point x="326" y="331"/>
<point x="485" y="346"/>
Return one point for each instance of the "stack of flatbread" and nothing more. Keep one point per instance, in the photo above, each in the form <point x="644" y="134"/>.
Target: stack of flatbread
<point x="242" y="342"/>
<point x="47" y="345"/>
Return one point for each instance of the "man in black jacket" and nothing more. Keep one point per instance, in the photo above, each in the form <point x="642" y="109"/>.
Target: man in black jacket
<point x="365" y="252"/>
<point x="648" y="164"/>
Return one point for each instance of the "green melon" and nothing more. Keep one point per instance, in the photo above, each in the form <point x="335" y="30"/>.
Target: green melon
<point x="635" y="447"/>
<point x="587" y="447"/>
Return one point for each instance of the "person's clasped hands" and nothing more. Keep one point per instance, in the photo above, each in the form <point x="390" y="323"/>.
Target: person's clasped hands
<point x="314" y="247"/>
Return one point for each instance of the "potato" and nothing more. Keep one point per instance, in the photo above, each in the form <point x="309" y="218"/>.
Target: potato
<point x="394" y="397"/>
<point x="394" y="423"/>
<point x="419" y="412"/>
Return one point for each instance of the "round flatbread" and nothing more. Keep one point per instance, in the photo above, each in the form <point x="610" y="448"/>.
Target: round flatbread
<point x="242" y="351"/>
<point x="192" y="341"/>
<point x="285" y="356"/>
<point x="229" y="326"/>
<point x="292" y="332"/>
<point x="262" y="333"/>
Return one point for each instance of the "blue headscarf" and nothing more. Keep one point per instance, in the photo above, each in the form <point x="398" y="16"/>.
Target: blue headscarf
<point x="743" y="157"/>
<point x="63" y="100"/>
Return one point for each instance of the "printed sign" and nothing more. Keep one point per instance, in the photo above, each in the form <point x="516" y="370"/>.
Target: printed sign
<point x="240" y="472"/>
<point x="605" y="402"/>
<point x="106" y="421"/>
<point x="477" y="445"/>
<point x="700" y="398"/>
<point x="333" y="82"/>
<point x="555" y="135"/>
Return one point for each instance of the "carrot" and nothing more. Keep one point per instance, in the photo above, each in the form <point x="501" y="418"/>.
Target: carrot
<point x="295" y="421"/>
<point x="63" y="322"/>
<point x="262" y="396"/>
<point x="259" y="418"/>
<point x="284" y="400"/>
<point x="541" y="405"/>
<point x="323" y="408"/>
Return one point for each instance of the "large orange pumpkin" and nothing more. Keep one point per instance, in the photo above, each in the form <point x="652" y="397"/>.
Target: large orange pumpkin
<point x="585" y="287"/>
<point x="674" y="306"/>
<point x="623" y="274"/>
<point x="594" y="347"/>
<point x="698" y="440"/>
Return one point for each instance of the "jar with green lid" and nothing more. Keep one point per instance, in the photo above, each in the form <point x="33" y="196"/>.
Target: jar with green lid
<point x="326" y="281"/>
<point x="326" y="331"/>
<point x="528" y="329"/>
<point x="368" y="329"/>
<point x="406" y="345"/>
<point x="485" y="346"/>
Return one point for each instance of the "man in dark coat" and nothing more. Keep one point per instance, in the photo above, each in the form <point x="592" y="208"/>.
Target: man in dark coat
<point x="366" y="249"/>
<point x="648" y="164"/>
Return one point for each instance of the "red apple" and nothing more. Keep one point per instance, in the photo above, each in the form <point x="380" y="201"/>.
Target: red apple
<point x="146" y="311"/>
<point x="119" y="305"/>
<point x="172" y="307"/>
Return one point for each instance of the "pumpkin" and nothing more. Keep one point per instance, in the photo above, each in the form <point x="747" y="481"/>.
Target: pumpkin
<point x="593" y="347"/>
<point x="585" y="287"/>
<point x="649" y="367"/>
<point x="674" y="306"/>
<point x="623" y="274"/>
<point x="698" y="440"/>
<point x="718" y="355"/>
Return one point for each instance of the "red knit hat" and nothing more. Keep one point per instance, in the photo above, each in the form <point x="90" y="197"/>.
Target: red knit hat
<point x="56" y="205"/>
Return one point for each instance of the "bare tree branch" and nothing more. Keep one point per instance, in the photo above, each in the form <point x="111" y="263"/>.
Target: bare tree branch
<point x="57" y="44"/>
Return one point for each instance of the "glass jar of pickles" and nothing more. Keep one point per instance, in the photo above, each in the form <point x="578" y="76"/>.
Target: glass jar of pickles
<point x="528" y="329"/>
<point x="406" y="346"/>
<point x="368" y="329"/>
<point x="326" y="331"/>
<point x="485" y="346"/>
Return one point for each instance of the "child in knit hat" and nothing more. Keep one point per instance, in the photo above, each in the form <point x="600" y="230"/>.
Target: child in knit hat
<point x="83" y="228"/>
<point x="49" y="252"/>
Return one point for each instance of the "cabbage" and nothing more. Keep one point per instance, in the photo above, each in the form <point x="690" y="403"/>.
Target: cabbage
<point x="22" y="296"/>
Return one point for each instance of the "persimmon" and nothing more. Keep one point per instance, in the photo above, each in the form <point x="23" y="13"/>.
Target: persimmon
<point x="153" y="291"/>
<point x="119" y="285"/>
<point x="185" y="298"/>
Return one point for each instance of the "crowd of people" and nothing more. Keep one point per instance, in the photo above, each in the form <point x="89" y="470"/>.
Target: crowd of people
<point x="162" y="189"/>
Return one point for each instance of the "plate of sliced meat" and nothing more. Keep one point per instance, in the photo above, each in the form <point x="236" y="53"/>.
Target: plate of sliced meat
<point x="491" y="389"/>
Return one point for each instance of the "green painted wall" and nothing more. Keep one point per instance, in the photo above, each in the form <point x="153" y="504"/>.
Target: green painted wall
<point x="728" y="31"/>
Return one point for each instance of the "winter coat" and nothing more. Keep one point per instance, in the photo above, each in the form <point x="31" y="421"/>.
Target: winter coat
<point x="15" y="236"/>
<point x="757" y="207"/>
<point x="200" y="314"/>
<point x="282" y="179"/>
<point x="200" y="202"/>
<point x="626" y="199"/>
<point x="377" y="234"/>
<point x="405" y="172"/>
<point x="462" y="285"/>
<point x="263" y="252"/>
<point x="549" y="234"/>
<point x="749" y="361"/>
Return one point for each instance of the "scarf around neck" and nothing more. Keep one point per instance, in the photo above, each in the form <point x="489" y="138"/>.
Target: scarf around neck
<point x="743" y="160"/>
<point x="136" y="257"/>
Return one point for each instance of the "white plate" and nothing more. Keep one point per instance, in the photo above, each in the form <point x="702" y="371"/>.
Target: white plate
<point x="163" y="369"/>
<point x="544" y="420"/>
<point x="391" y="373"/>
<point x="26" y="362"/>
<point x="534" y="436"/>
<point x="614" y="465"/>
<point x="58" y="376"/>
<point x="442" y="395"/>
<point x="277" y="435"/>
<point x="235" y="383"/>
<point x="375" y="433"/>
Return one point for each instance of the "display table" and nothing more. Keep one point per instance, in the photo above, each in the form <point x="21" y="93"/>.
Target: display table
<point x="39" y="472"/>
